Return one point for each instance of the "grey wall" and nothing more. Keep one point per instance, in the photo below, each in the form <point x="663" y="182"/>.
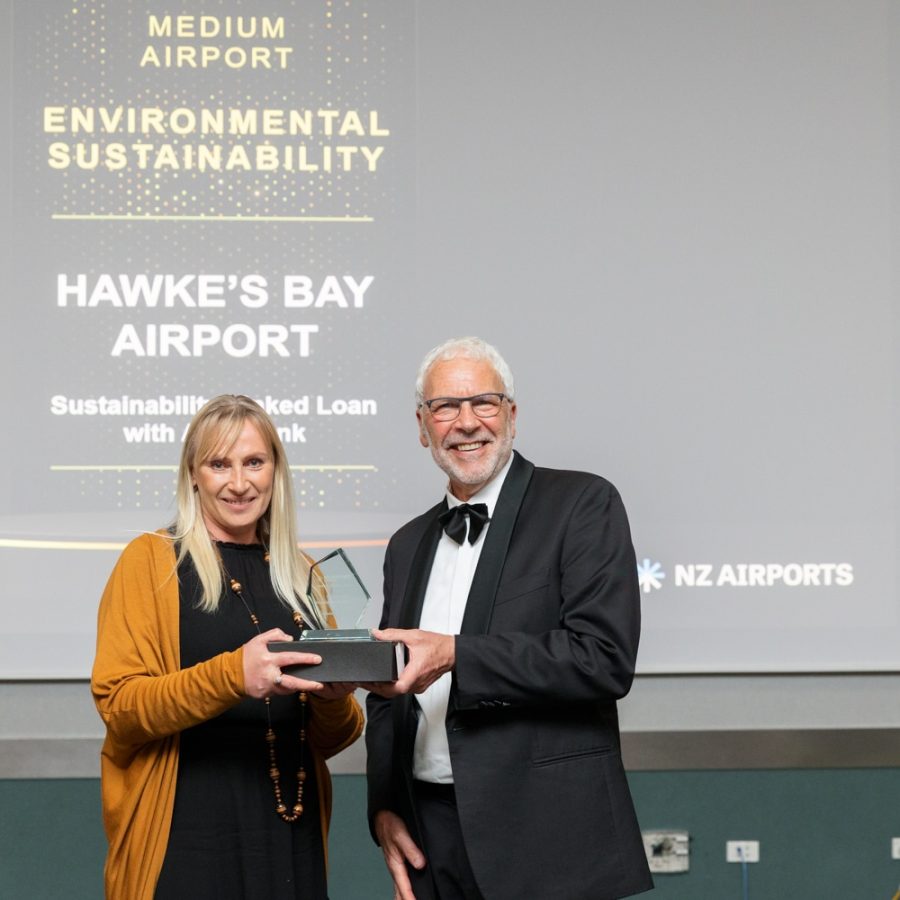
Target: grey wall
<point x="51" y="730"/>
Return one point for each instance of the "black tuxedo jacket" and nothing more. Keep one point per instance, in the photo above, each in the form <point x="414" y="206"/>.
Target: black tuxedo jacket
<point x="547" y="646"/>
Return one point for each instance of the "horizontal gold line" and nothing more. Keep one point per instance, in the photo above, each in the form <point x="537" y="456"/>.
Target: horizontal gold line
<point x="114" y="468"/>
<point x="27" y="544"/>
<point x="331" y="467"/>
<point x="112" y="217"/>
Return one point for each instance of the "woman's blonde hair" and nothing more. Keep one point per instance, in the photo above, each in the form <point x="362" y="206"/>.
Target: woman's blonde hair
<point x="212" y="433"/>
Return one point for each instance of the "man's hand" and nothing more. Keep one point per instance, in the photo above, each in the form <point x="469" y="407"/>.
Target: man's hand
<point x="399" y="849"/>
<point x="430" y="656"/>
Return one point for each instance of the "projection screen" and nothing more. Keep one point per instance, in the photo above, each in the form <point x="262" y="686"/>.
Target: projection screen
<point x="677" y="221"/>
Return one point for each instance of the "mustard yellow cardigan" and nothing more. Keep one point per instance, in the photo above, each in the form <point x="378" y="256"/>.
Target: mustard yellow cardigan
<point x="146" y="699"/>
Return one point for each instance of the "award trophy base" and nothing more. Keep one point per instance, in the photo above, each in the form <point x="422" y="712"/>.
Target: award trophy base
<point x="348" y="654"/>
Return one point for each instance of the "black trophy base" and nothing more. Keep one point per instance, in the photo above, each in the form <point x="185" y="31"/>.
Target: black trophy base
<point x="343" y="658"/>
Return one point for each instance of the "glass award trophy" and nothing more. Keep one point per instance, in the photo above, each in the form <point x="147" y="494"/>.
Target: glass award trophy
<point x="349" y="653"/>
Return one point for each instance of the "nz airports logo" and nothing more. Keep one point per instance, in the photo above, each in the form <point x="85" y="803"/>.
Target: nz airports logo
<point x="651" y="575"/>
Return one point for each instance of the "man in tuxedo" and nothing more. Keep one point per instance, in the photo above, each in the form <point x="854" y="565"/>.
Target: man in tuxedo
<point x="494" y="764"/>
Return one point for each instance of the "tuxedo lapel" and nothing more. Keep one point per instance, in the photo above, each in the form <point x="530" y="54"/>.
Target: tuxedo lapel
<point x="480" y="603"/>
<point x="420" y="570"/>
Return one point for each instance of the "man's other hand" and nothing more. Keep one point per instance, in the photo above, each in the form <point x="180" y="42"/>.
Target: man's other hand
<point x="399" y="849"/>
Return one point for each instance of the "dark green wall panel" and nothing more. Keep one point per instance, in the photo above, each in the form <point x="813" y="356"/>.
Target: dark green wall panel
<point x="822" y="833"/>
<point x="51" y="840"/>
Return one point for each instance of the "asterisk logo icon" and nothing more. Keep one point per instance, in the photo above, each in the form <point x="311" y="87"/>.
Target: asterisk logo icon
<point x="650" y="575"/>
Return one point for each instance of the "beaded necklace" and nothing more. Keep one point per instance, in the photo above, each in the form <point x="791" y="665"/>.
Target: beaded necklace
<point x="274" y="773"/>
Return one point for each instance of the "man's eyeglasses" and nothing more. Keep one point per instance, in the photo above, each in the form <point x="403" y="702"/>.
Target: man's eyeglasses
<point x="446" y="409"/>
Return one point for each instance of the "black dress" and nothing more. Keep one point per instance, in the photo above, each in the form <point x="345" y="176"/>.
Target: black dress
<point x="226" y="841"/>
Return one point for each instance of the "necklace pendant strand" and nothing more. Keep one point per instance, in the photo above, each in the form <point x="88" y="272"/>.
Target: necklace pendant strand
<point x="271" y="738"/>
<point x="275" y="774"/>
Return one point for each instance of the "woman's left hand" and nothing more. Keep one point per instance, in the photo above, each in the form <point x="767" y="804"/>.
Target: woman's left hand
<point x="262" y="668"/>
<point x="263" y="675"/>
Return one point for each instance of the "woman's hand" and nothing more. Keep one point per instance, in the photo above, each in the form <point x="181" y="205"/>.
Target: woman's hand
<point x="262" y="668"/>
<point x="335" y="690"/>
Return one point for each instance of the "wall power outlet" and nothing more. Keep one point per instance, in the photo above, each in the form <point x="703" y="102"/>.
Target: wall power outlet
<point x="667" y="851"/>
<point x="742" y="851"/>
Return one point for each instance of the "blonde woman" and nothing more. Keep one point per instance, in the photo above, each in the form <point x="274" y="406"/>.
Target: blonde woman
<point x="214" y="781"/>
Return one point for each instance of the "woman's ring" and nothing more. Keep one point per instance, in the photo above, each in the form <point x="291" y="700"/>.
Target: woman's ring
<point x="278" y="678"/>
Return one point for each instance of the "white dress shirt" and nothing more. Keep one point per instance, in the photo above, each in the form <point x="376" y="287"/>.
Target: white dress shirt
<point x="442" y="611"/>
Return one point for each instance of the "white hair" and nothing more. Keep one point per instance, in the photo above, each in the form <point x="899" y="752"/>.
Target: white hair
<point x="465" y="348"/>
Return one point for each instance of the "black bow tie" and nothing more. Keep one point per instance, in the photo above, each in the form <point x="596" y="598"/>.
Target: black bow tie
<point x="454" y="521"/>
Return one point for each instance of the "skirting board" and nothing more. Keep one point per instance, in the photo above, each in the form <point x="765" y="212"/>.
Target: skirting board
<point x="642" y="751"/>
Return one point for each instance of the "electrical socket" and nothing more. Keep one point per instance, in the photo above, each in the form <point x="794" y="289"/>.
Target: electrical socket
<point x="667" y="851"/>
<point x="895" y="848"/>
<point x="742" y="851"/>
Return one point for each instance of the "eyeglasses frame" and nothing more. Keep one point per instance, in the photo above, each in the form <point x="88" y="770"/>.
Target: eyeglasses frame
<point x="461" y="400"/>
